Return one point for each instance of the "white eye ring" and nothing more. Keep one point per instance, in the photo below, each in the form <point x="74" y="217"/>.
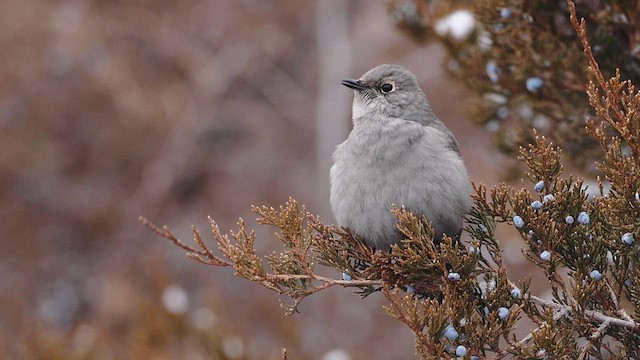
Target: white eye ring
<point x="386" y="88"/>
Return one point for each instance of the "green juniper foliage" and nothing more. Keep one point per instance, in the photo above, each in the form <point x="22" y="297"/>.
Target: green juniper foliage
<point x="455" y="295"/>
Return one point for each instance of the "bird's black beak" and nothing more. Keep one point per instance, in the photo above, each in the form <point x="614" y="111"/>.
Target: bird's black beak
<point x="354" y="84"/>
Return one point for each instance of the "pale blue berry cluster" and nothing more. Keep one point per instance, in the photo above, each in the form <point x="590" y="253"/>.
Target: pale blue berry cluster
<point x="628" y="239"/>
<point x="595" y="275"/>
<point x="539" y="186"/>
<point x="503" y="112"/>
<point x="493" y="72"/>
<point x="518" y="222"/>
<point x="583" y="218"/>
<point x="534" y="84"/>
<point x="454" y="276"/>
<point x="545" y="255"/>
<point x="516" y="293"/>
<point x="450" y="333"/>
<point x="503" y="312"/>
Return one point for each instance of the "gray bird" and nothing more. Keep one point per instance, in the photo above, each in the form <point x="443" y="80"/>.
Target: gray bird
<point x="398" y="153"/>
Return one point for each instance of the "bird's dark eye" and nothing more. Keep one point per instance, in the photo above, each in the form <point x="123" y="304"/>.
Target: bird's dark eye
<point x="386" y="88"/>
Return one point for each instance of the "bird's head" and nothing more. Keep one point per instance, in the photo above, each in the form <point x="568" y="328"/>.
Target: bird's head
<point x="389" y="91"/>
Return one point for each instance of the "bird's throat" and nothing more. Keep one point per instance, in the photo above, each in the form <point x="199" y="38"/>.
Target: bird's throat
<point x="358" y="110"/>
<point x="379" y="139"/>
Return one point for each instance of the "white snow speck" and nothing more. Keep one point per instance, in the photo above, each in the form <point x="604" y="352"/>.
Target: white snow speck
<point x="458" y="24"/>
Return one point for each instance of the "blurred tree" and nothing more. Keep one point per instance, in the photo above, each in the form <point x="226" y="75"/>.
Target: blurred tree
<point x="522" y="64"/>
<point x="517" y="60"/>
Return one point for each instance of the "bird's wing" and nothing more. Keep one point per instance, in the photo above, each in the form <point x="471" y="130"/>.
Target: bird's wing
<point x="452" y="142"/>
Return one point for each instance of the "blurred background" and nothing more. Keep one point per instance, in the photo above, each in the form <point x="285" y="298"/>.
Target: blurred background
<point x="176" y="110"/>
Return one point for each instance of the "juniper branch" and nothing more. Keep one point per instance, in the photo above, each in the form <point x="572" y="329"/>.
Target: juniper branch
<point x="326" y="282"/>
<point x="204" y="255"/>
<point x="556" y="316"/>
<point x="591" y="315"/>
<point x="584" y="352"/>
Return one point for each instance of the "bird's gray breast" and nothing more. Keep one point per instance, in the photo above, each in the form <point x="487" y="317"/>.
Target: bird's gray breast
<point x="404" y="164"/>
